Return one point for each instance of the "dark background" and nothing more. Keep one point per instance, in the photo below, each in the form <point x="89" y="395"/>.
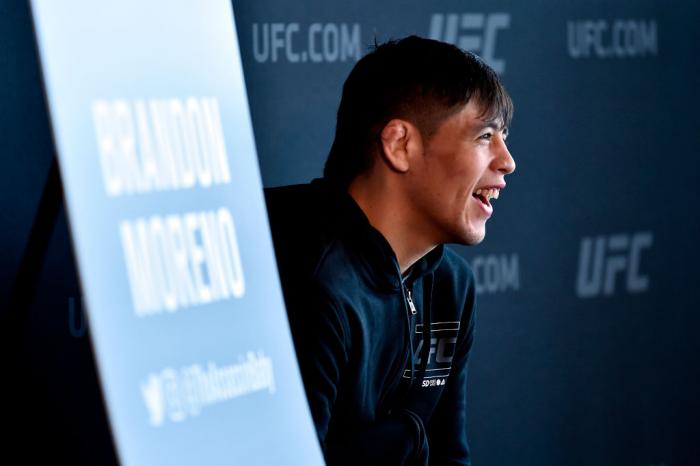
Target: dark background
<point x="605" y="144"/>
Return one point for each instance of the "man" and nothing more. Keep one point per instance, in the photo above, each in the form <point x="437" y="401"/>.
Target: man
<point x="381" y="312"/>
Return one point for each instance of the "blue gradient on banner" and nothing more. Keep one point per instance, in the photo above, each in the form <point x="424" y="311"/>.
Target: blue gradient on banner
<point x="208" y="383"/>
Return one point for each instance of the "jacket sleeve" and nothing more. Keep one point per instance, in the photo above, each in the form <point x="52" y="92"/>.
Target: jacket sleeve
<point x="447" y="429"/>
<point x="323" y="342"/>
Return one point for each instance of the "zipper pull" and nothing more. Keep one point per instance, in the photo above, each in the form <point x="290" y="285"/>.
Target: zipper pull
<point x="410" y="303"/>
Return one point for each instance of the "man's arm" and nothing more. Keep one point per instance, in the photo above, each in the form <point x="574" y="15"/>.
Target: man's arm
<point x="323" y="341"/>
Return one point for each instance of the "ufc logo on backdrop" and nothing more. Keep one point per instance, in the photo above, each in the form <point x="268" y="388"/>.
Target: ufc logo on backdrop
<point x="604" y="259"/>
<point x="475" y="32"/>
<point x="496" y="273"/>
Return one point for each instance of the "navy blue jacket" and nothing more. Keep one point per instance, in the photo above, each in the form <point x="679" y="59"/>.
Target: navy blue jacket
<point x="383" y="357"/>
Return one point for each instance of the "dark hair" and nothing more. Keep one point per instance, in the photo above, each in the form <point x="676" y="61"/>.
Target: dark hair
<point x="421" y="80"/>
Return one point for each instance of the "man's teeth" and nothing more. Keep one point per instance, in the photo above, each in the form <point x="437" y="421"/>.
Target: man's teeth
<point x="488" y="193"/>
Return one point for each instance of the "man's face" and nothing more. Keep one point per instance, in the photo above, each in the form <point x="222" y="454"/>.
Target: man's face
<point x="464" y="154"/>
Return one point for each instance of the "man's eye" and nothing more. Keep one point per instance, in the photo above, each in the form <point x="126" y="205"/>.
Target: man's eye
<point x="486" y="136"/>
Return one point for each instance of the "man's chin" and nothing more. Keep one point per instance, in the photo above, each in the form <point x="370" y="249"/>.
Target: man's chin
<point x="470" y="237"/>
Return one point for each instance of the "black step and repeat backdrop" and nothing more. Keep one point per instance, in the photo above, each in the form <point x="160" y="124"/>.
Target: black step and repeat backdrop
<point x="586" y="350"/>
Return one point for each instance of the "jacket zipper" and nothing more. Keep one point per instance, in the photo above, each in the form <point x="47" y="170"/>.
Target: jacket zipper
<point x="410" y="302"/>
<point x="411" y="322"/>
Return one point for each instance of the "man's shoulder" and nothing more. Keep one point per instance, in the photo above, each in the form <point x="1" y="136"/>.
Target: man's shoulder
<point x="303" y="208"/>
<point x="304" y="231"/>
<point x="290" y="203"/>
<point x="339" y="268"/>
<point x="296" y="215"/>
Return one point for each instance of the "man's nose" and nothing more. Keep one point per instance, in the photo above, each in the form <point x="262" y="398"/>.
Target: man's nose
<point x="506" y="164"/>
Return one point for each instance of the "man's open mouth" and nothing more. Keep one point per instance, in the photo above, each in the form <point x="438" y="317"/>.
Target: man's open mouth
<point x="485" y="195"/>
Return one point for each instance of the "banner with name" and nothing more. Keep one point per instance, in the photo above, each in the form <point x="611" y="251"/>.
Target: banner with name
<point x="157" y="156"/>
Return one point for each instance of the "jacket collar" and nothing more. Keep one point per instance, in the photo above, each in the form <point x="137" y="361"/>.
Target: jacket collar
<point x="378" y="259"/>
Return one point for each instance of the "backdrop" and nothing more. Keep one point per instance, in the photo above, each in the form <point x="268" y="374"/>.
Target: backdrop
<point x="586" y="350"/>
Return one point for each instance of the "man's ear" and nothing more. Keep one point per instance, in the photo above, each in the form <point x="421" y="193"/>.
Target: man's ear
<point x="400" y="140"/>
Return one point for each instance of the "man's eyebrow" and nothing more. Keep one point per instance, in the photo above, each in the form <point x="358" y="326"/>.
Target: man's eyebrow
<point x="493" y="124"/>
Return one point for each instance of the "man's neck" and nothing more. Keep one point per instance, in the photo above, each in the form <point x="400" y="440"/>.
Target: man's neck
<point x="386" y="211"/>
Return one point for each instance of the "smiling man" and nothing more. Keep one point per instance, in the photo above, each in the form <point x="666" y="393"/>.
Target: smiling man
<point x="381" y="311"/>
